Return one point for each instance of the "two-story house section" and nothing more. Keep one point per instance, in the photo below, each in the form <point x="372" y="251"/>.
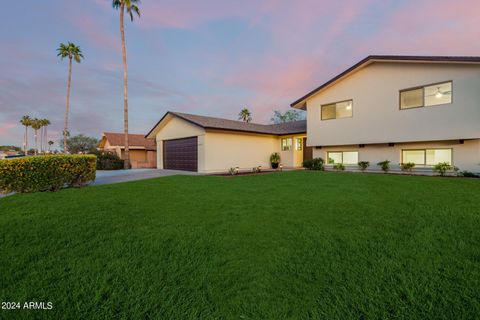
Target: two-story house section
<point x="416" y="109"/>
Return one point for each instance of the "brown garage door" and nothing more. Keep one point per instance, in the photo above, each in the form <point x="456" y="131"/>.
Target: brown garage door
<point x="180" y="154"/>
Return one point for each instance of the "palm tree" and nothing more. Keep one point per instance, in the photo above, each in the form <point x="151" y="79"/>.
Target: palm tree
<point x="245" y="115"/>
<point x="132" y="8"/>
<point x="73" y="52"/>
<point x="45" y="124"/>
<point x="27" y="122"/>
<point x="50" y="144"/>
<point x="36" y="124"/>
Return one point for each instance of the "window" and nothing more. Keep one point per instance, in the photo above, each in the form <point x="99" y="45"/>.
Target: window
<point x="426" y="96"/>
<point x="345" y="157"/>
<point x="299" y="144"/>
<point x="429" y="157"/>
<point x="286" y="144"/>
<point x="343" y="109"/>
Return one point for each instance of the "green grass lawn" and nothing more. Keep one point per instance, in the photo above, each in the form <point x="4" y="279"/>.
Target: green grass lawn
<point x="293" y="245"/>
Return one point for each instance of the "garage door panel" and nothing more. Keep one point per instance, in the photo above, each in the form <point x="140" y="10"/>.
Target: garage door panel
<point x="181" y="154"/>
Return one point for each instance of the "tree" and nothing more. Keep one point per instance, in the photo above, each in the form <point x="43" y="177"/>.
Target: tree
<point x="43" y="133"/>
<point x="50" y="144"/>
<point x="73" y="52"/>
<point x="80" y="144"/>
<point x="26" y="121"/>
<point x="36" y="124"/>
<point x="132" y="9"/>
<point x="288" y="116"/>
<point x="245" y="115"/>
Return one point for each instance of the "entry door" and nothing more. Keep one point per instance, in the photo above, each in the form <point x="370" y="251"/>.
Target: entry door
<point x="307" y="151"/>
<point x="180" y="154"/>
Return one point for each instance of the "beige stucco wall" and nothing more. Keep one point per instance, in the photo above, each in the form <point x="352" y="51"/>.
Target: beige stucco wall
<point x="175" y="128"/>
<point x="376" y="114"/>
<point x="292" y="158"/>
<point x="465" y="156"/>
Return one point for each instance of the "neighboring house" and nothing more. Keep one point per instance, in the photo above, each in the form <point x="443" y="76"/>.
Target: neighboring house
<point x="416" y="109"/>
<point x="142" y="150"/>
<point x="207" y="144"/>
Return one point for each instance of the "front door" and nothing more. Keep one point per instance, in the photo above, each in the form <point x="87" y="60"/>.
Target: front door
<point x="307" y="151"/>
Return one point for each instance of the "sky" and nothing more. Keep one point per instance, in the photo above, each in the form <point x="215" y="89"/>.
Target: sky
<point x="204" y="57"/>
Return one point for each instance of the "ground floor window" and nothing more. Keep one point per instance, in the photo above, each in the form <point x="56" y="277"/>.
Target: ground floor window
<point x="286" y="144"/>
<point x="428" y="157"/>
<point x="299" y="144"/>
<point x="344" y="157"/>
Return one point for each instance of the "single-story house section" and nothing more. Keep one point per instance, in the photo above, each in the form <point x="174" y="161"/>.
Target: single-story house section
<point x="213" y="145"/>
<point x="142" y="150"/>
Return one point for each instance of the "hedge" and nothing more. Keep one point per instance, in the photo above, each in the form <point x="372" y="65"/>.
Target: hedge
<point x="46" y="173"/>
<point x="108" y="161"/>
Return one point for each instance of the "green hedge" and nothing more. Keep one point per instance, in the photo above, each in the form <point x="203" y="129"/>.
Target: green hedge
<point x="46" y="173"/>
<point x="108" y="161"/>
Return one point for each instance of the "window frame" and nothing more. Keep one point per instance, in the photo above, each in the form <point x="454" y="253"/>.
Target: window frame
<point x="297" y="144"/>
<point x="425" y="156"/>
<point x="342" y="152"/>
<point x="286" y="139"/>
<point x="335" y="103"/>
<point x="423" y="100"/>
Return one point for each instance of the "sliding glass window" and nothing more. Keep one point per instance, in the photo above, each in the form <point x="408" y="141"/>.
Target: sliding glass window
<point x="426" y="96"/>
<point x="337" y="110"/>
<point x="427" y="157"/>
<point x="344" y="157"/>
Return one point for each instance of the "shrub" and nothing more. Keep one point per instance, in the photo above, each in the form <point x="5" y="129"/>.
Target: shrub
<point x="467" y="174"/>
<point x="407" y="166"/>
<point x="363" y="165"/>
<point x="385" y="165"/>
<point x="233" y="171"/>
<point x="314" y="164"/>
<point x="108" y="161"/>
<point x="442" y="168"/>
<point x="339" y="167"/>
<point x="46" y="173"/>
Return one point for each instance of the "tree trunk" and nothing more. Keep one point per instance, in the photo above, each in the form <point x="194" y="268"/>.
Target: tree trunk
<point x="41" y="140"/>
<point x="25" y="141"/>
<point x="65" y="127"/>
<point x="36" y="147"/>
<point x="125" y="97"/>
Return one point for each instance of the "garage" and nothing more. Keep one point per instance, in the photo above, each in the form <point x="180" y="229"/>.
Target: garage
<point x="181" y="154"/>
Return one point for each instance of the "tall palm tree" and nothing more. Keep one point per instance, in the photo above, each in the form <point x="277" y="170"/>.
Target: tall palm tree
<point x="26" y="121"/>
<point x="43" y="134"/>
<point x="36" y="124"/>
<point x="245" y="115"/>
<point x="50" y="144"/>
<point x="73" y="52"/>
<point x="131" y="6"/>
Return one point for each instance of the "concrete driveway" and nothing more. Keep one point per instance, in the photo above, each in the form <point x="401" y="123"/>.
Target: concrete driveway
<point x="115" y="176"/>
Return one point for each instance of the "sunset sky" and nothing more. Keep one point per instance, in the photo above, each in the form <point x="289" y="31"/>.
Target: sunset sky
<point x="204" y="57"/>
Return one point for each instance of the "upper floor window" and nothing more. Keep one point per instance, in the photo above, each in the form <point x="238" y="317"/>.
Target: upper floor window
<point x="286" y="144"/>
<point x="431" y="95"/>
<point x="345" y="157"/>
<point x="342" y="109"/>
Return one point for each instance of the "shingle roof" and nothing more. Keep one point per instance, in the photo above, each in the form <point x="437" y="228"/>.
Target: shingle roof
<point x="233" y="125"/>
<point x="134" y="140"/>
<point x="391" y="58"/>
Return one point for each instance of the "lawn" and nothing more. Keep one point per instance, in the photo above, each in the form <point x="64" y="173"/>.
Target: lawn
<point x="293" y="245"/>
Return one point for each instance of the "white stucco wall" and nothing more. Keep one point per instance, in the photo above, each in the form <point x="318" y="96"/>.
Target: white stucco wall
<point x="376" y="114"/>
<point x="224" y="150"/>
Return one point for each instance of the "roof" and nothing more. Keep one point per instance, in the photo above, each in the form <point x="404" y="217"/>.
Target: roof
<point x="205" y="122"/>
<point x="386" y="58"/>
<point x="134" y="140"/>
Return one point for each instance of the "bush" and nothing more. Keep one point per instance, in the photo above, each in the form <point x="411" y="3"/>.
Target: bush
<point x="363" y="165"/>
<point x="385" y="165"/>
<point x="108" y="161"/>
<point x="46" y="173"/>
<point x="442" y="168"/>
<point x="407" y="166"/>
<point x="467" y="174"/>
<point x="339" y="167"/>
<point x="314" y="164"/>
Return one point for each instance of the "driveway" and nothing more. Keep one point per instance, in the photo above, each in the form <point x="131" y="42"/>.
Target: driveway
<point x="115" y="176"/>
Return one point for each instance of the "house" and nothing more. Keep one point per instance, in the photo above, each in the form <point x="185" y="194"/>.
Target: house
<point x="416" y="109"/>
<point x="142" y="150"/>
<point x="209" y="145"/>
<point x="419" y="109"/>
